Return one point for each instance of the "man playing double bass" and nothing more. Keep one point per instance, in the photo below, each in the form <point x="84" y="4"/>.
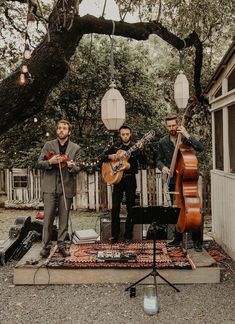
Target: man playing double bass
<point x="164" y="158"/>
<point x="127" y="184"/>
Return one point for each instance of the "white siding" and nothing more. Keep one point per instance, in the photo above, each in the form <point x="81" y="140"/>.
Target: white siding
<point x="223" y="210"/>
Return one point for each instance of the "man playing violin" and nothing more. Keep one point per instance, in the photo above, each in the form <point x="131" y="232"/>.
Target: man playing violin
<point x="127" y="184"/>
<point x="57" y="160"/>
<point x="164" y="158"/>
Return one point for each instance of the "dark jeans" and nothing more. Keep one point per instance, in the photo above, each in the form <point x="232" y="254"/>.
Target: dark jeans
<point x="127" y="185"/>
<point x="196" y="235"/>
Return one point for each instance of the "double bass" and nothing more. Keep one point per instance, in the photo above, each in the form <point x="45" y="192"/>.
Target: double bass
<point x="184" y="166"/>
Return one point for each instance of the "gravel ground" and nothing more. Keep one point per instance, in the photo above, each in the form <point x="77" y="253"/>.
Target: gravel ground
<point x="94" y="304"/>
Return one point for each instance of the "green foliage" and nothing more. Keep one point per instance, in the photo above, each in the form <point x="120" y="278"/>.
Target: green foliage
<point x="78" y="98"/>
<point x="144" y="72"/>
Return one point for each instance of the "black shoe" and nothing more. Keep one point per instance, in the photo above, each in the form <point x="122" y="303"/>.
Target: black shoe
<point x="127" y="241"/>
<point x="45" y="252"/>
<point x="64" y="251"/>
<point x="113" y="240"/>
<point x="175" y="242"/>
<point x="197" y="246"/>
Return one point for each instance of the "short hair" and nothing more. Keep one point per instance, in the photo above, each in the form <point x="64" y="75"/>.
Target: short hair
<point x="170" y="117"/>
<point x="63" y="121"/>
<point x="125" y="127"/>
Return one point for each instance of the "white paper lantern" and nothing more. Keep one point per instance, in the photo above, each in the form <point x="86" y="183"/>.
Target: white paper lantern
<point x="181" y="90"/>
<point x="113" y="112"/>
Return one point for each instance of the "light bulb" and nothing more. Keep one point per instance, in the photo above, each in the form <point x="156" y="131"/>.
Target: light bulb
<point x="47" y="134"/>
<point x="24" y="69"/>
<point x="22" y="79"/>
<point x="27" y="54"/>
<point x="31" y="27"/>
<point x="31" y="23"/>
<point x="35" y="120"/>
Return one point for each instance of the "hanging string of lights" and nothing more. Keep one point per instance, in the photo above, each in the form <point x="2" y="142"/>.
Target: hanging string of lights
<point x="25" y="76"/>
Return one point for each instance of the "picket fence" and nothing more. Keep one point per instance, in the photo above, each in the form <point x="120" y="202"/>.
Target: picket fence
<point x="22" y="186"/>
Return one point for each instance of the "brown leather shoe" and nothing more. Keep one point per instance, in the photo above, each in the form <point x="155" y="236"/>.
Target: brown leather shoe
<point x="65" y="252"/>
<point x="45" y="251"/>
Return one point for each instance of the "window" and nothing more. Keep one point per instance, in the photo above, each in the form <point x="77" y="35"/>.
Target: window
<point x="218" y="92"/>
<point x="231" y="80"/>
<point x="219" y="149"/>
<point x="231" y="134"/>
<point x="20" y="181"/>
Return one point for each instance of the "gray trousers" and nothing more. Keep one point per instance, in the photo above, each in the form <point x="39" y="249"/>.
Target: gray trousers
<point x="50" y="200"/>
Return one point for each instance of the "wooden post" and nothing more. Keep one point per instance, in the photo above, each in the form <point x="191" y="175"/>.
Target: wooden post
<point x="97" y="205"/>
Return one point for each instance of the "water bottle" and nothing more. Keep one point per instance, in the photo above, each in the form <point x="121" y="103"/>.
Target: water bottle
<point x="150" y="300"/>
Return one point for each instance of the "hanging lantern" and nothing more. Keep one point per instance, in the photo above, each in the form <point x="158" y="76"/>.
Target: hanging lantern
<point x="181" y="90"/>
<point x="113" y="112"/>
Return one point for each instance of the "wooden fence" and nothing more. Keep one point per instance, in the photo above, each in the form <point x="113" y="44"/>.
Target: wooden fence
<point x="23" y="185"/>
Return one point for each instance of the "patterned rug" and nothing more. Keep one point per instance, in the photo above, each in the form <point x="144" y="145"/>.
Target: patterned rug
<point x="135" y="255"/>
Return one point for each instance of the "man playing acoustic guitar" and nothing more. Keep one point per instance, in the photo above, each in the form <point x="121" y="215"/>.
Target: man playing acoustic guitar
<point x="127" y="183"/>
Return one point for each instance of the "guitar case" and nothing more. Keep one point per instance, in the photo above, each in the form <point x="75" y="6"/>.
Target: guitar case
<point x="22" y="235"/>
<point x="17" y="234"/>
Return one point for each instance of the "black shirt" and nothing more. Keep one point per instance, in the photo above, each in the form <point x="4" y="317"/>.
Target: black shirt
<point x="136" y="156"/>
<point x="167" y="147"/>
<point x="63" y="147"/>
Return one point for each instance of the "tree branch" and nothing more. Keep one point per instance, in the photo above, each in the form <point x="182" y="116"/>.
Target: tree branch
<point x="11" y="21"/>
<point x="48" y="64"/>
<point x="141" y="31"/>
<point x="20" y="1"/>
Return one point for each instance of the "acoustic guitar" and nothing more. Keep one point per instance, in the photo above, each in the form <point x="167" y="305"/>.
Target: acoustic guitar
<point x="112" y="171"/>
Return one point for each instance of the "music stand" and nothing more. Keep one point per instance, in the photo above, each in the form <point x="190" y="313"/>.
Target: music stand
<point x="155" y="215"/>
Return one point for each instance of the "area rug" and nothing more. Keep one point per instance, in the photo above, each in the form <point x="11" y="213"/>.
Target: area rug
<point x="137" y="255"/>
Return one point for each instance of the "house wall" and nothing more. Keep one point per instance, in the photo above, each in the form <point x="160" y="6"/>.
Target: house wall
<point x="223" y="181"/>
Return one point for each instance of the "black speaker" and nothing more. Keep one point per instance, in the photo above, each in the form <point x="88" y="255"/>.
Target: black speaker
<point x="105" y="228"/>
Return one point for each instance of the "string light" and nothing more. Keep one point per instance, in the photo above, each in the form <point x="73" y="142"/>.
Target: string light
<point x="22" y="79"/>
<point x="47" y="134"/>
<point x="27" y="52"/>
<point x="35" y="120"/>
<point x="24" y="69"/>
<point x="31" y="23"/>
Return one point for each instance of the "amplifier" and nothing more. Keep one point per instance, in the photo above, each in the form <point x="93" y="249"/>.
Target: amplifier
<point x="105" y="228"/>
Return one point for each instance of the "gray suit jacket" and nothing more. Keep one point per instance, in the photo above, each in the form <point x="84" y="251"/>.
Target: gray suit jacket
<point x="51" y="182"/>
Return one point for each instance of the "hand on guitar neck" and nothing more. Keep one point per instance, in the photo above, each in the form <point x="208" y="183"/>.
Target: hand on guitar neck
<point x="182" y="130"/>
<point x="166" y="170"/>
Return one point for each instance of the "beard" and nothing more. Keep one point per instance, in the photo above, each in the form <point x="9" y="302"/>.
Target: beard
<point x="62" y="136"/>
<point x="173" y="132"/>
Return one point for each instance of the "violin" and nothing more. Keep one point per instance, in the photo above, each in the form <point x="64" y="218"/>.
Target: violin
<point x="64" y="158"/>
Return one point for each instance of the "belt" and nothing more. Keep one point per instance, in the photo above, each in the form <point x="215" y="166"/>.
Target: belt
<point x="125" y="175"/>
